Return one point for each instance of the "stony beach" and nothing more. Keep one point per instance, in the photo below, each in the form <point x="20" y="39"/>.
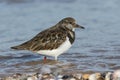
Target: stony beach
<point x="56" y="70"/>
<point x="46" y="73"/>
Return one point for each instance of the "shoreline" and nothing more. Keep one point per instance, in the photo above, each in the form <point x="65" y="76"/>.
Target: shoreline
<point x="62" y="76"/>
<point x="50" y="69"/>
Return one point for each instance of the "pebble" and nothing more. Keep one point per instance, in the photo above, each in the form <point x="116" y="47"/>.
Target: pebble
<point x="32" y="78"/>
<point x="116" y="75"/>
<point x="108" y="76"/>
<point x="60" y="76"/>
<point x="77" y="76"/>
<point x="67" y="77"/>
<point x="72" y="79"/>
<point x="85" y="76"/>
<point x="17" y="76"/>
<point x="92" y="77"/>
<point x="96" y="76"/>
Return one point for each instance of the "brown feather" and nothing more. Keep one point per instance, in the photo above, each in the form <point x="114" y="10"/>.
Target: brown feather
<point x="48" y="39"/>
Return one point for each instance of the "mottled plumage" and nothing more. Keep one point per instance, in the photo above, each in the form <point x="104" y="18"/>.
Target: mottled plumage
<point x="51" y="38"/>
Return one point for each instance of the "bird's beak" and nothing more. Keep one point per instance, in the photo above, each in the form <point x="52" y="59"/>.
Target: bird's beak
<point x="78" y="26"/>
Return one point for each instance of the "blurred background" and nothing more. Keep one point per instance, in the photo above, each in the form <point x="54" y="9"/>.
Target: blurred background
<point x="97" y="48"/>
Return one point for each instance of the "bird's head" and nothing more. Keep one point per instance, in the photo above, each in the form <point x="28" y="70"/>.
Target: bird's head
<point x="69" y="23"/>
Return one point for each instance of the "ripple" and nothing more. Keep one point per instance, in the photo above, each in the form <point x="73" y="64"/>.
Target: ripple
<point x="16" y="57"/>
<point x="99" y="51"/>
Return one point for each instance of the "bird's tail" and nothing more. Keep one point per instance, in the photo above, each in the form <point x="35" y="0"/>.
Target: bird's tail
<point x="17" y="48"/>
<point x="24" y="46"/>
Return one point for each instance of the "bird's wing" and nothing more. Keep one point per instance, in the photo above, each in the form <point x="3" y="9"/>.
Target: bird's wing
<point x="46" y="40"/>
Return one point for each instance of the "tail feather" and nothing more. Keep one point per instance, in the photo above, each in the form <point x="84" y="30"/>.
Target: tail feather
<point x="17" y="47"/>
<point x="24" y="46"/>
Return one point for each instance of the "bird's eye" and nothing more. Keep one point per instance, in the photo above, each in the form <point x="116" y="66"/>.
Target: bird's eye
<point x="70" y="22"/>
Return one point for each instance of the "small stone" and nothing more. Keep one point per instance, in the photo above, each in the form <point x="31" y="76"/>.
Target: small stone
<point x="77" y="76"/>
<point x="60" y="79"/>
<point x="51" y="79"/>
<point x="108" y="76"/>
<point x="116" y="75"/>
<point x="96" y="76"/>
<point x="92" y="77"/>
<point x="45" y="75"/>
<point x="29" y="78"/>
<point x="60" y="76"/>
<point x="85" y="76"/>
<point x="39" y="76"/>
<point x="103" y="75"/>
<point x="8" y="78"/>
<point x="32" y="78"/>
<point x="17" y="75"/>
<point x="1" y="79"/>
<point x="99" y="76"/>
<point x="72" y="79"/>
<point x="67" y="76"/>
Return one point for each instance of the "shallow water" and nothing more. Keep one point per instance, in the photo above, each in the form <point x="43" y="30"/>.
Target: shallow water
<point x="97" y="48"/>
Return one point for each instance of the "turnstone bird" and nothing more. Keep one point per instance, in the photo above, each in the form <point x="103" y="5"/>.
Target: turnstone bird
<point x="54" y="40"/>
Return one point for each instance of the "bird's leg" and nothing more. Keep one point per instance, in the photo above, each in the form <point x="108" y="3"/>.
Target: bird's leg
<point x="45" y="58"/>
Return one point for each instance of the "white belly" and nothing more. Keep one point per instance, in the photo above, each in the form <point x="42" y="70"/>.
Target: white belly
<point x="56" y="52"/>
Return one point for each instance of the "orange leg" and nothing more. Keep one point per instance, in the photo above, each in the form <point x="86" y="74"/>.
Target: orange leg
<point x="45" y="58"/>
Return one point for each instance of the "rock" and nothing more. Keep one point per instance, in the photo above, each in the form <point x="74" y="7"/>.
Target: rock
<point x="116" y="75"/>
<point x="96" y="76"/>
<point x="32" y="78"/>
<point x="67" y="76"/>
<point x="92" y="77"/>
<point x="72" y="79"/>
<point x="85" y="76"/>
<point x="48" y="76"/>
<point x="16" y="76"/>
<point x="77" y="76"/>
<point x="108" y="76"/>
<point x="59" y="76"/>
<point x="99" y="76"/>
